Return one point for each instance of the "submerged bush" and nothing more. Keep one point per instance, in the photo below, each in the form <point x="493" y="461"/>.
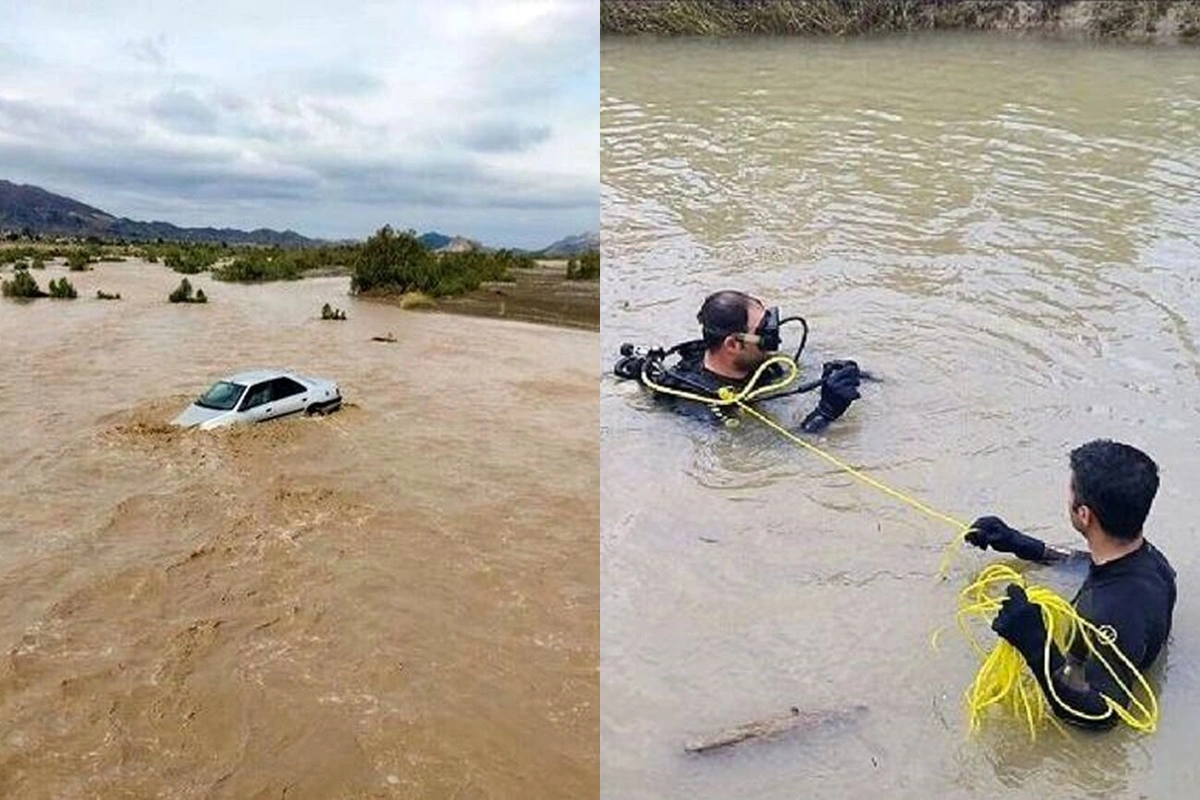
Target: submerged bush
<point x="328" y="312"/>
<point x="62" y="289"/>
<point x="183" y="294"/>
<point x="102" y="295"/>
<point x="22" y="285"/>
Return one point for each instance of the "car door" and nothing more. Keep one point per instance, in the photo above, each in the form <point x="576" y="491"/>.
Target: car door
<point x="256" y="405"/>
<point x="288" y="396"/>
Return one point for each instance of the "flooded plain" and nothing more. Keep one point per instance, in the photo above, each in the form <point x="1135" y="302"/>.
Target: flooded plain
<point x="397" y="600"/>
<point x="1006" y="231"/>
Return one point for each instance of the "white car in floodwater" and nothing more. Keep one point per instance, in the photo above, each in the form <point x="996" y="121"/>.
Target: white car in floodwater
<point x="258" y="396"/>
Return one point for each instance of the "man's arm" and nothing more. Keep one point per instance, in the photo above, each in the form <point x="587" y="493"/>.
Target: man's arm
<point x="839" y="388"/>
<point x="993" y="532"/>
<point x="1076" y="690"/>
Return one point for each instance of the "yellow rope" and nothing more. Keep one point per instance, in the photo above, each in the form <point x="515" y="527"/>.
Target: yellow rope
<point x="1003" y="679"/>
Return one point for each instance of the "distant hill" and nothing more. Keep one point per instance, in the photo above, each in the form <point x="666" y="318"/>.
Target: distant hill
<point x="31" y="208"/>
<point x="434" y="240"/>
<point x="440" y="242"/>
<point x="572" y="245"/>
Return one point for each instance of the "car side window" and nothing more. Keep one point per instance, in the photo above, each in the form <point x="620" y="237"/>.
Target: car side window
<point x="285" y="387"/>
<point x="259" y="393"/>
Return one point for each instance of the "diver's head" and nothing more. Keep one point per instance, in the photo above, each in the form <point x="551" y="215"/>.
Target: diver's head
<point x="1112" y="487"/>
<point x="739" y="331"/>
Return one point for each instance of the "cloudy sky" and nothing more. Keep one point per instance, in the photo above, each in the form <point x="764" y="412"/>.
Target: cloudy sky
<point x="471" y="117"/>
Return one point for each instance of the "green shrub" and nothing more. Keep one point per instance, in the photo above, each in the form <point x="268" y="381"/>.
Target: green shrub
<point x="77" y="260"/>
<point x="62" y="289"/>
<point x="257" y="265"/>
<point x="328" y="312"/>
<point x="585" y="268"/>
<point x="397" y="263"/>
<point x="189" y="259"/>
<point x="22" y="285"/>
<point x="417" y="300"/>
<point x="183" y="294"/>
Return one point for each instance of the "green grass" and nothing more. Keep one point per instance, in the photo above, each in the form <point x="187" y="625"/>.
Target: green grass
<point x="1104" y="18"/>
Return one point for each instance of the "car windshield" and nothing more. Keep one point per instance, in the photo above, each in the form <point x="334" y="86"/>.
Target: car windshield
<point x="222" y="396"/>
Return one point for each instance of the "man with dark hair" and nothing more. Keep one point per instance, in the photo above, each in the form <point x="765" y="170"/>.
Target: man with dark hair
<point x="1129" y="592"/>
<point x="738" y="334"/>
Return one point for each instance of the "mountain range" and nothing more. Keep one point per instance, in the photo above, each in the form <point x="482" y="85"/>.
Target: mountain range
<point x="31" y="209"/>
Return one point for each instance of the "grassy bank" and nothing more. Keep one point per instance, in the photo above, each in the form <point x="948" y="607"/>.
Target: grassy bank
<point x="1126" y="19"/>
<point x="542" y="294"/>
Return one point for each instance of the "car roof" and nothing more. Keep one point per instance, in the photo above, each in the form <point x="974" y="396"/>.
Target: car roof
<point x="259" y="375"/>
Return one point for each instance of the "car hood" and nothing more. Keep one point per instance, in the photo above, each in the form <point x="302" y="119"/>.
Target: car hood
<point x="197" y="415"/>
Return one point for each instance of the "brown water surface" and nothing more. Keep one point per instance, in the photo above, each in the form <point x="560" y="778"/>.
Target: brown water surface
<point x="1007" y="232"/>
<point x="398" y="600"/>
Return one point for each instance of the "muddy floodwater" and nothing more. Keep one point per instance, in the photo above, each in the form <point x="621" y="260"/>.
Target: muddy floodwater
<point x="397" y="600"/>
<point x="1006" y="232"/>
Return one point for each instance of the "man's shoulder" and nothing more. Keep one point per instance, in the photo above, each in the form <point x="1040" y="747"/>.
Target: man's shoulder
<point x="1161" y="564"/>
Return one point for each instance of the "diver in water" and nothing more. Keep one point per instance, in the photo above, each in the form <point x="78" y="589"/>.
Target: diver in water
<point x="1129" y="591"/>
<point x="739" y="334"/>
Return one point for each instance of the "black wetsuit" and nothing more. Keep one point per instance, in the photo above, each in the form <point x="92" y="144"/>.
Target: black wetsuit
<point x="690" y="375"/>
<point x="1134" y="596"/>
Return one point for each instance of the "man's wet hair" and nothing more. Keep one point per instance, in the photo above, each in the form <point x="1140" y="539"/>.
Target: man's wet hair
<point x="1117" y="482"/>
<point x="724" y="313"/>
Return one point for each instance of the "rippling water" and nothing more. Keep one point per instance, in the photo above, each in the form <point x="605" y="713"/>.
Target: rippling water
<point x="398" y="600"/>
<point x="1005" y="230"/>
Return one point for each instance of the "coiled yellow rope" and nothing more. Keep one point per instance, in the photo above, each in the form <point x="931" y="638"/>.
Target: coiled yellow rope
<point x="1003" y="679"/>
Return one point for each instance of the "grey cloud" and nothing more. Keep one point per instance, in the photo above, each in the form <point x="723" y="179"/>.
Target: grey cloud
<point x="149" y="50"/>
<point x="316" y="164"/>
<point x="215" y="175"/>
<point x="48" y="124"/>
<point x="342" y="83"/>
<point x="448" y="184"/>
<point x="519" y="76"/>
<point x="183" y="111"/>
<point x="504" y="137"/>
<point x="155" y="171"/>
<point x="231" y="101"/>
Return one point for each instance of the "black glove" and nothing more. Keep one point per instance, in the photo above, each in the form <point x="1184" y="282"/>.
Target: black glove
<point x="992" y="532"/>
<point x="1020" y="622"/>
<point x="839" y="388"/>
<point x="629" y="367"/>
